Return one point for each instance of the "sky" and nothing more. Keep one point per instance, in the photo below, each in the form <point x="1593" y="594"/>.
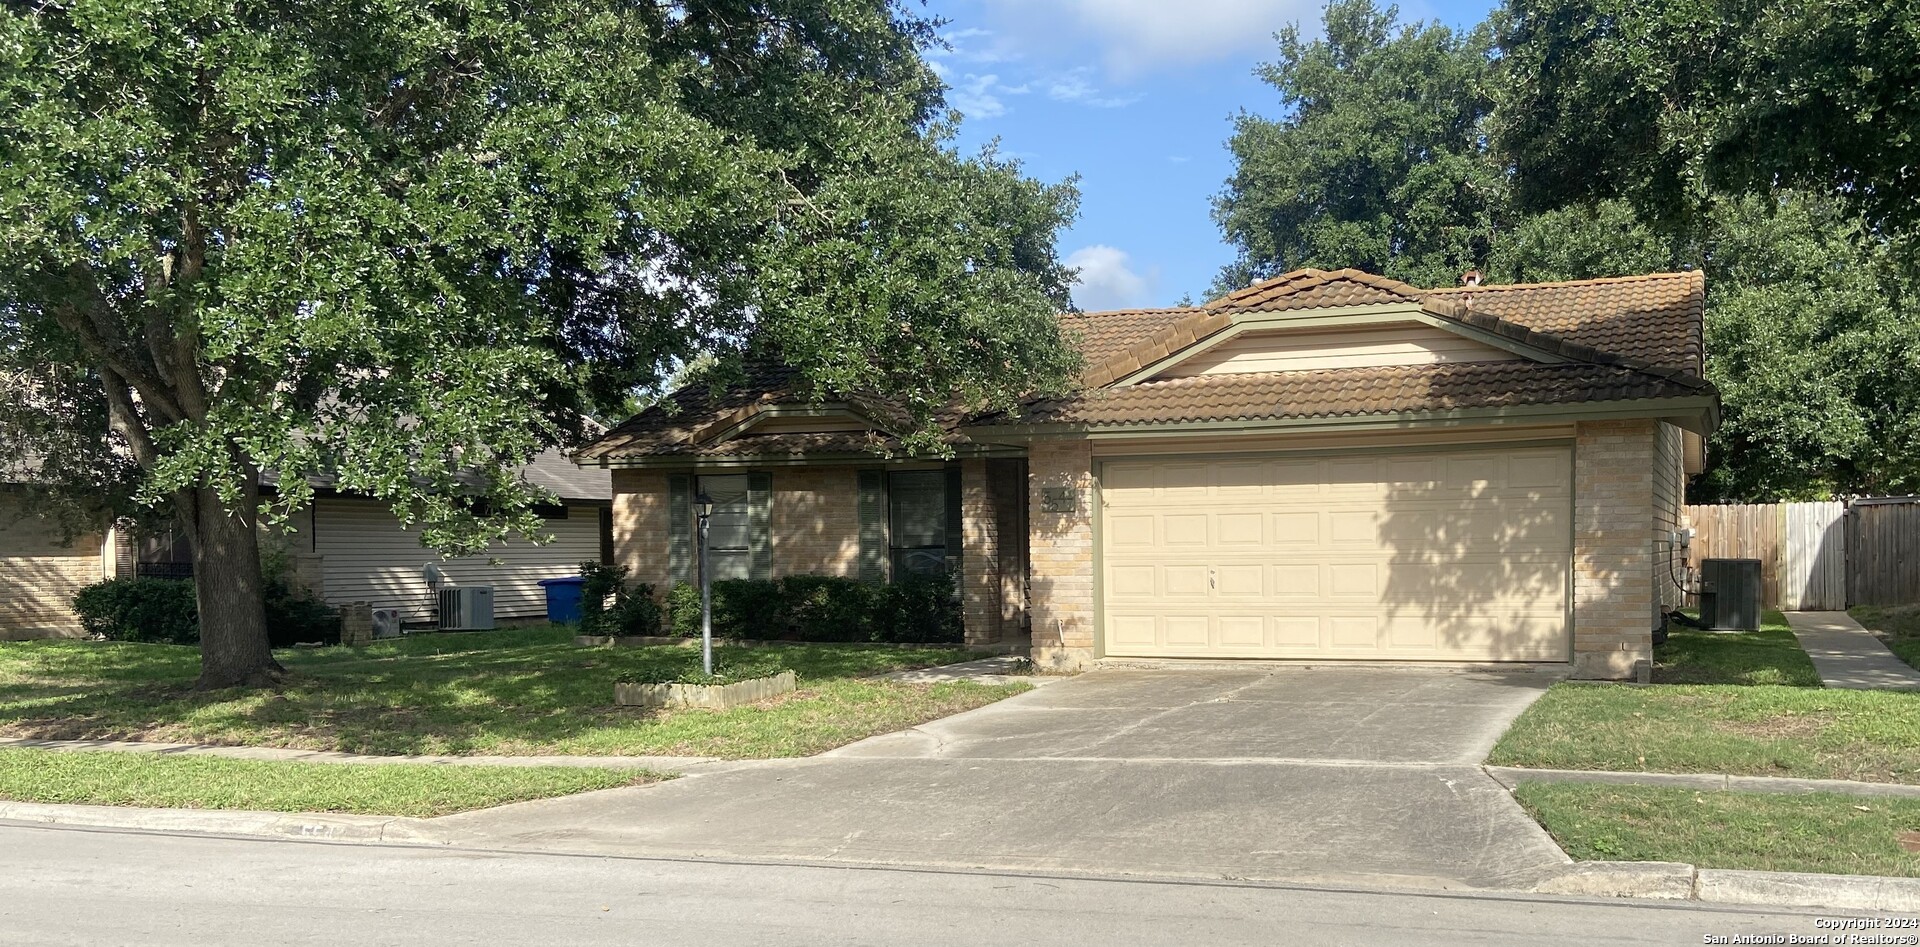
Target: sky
<point x="1137" y="98"/>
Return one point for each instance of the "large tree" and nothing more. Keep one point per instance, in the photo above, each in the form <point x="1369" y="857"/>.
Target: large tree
<point x="1668" y="102"/>
<point x="411" y="242"/>
<point x="1378" y="159"/>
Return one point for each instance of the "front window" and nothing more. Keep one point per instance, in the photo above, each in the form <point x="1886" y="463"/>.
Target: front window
<point x="729" y="553"/>
<point x="917" y="515"/>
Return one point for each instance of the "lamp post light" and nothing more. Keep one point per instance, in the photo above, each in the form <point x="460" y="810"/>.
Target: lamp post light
<point x="703" y="506"/>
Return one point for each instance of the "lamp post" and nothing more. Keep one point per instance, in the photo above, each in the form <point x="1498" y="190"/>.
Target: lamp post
<point x="703" y="506"/>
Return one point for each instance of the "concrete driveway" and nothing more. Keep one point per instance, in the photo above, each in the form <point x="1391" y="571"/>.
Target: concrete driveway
<point x="1275" y="773"/>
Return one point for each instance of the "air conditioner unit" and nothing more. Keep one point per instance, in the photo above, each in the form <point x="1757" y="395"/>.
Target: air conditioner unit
<point x="386" y="623"/>
<point x="468" y="608"/>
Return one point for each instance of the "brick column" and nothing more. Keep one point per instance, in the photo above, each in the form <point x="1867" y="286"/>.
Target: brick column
<point x="1061" y="547"/>
<point x="980" y="554"/>
<point x="1614" y="603"/>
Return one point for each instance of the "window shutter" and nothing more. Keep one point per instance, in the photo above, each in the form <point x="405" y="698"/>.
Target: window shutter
<point x="956" y="532"/>
<point x="873" y="525"/>
<point x="680" y="528"/>
<point x="759" y="535"/>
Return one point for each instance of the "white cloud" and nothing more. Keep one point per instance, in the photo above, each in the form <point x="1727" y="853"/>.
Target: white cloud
<point x="1107" y="279"/>
<point x="1138" y="35"/>
<point x="1076" y="86"/>
<point x="978" y="96"/>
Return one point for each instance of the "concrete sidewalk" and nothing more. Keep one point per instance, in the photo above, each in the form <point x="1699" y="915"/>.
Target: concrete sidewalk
<point x="1849" y="656"/>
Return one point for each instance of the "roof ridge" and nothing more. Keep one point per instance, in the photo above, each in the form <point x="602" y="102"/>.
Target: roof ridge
<point x="1308" y="278"/>
<point x="1559" y="284"/>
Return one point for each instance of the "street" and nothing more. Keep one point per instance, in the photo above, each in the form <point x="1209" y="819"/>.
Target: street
<point x="84" y="887"/>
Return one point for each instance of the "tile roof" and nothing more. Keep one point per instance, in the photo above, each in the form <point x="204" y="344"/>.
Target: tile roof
<point x="1317" y="289"/>
<point x="1657" y="317"/>
<point x="1625" y="338"/>
<point x="1347" y="392"/>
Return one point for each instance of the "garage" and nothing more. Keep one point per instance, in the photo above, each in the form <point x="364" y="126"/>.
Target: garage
<point x="1415" y="555"/>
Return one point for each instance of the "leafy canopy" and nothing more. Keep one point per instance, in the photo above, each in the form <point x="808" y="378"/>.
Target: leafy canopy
<point x="412" y="242"/>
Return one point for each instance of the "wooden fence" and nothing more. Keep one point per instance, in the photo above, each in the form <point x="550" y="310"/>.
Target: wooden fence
<point x="1819" y="556"/>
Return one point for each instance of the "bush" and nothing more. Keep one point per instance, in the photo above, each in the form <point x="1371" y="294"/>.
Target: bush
<point x="827" y="608"/>
<point x="163" y="611"/>
<point x="296" y="617"/>
<point x="157" y="611"/>
<point x="599" y="582"/>
<point x="919" y="608"/>
<point x="822" y="608"/>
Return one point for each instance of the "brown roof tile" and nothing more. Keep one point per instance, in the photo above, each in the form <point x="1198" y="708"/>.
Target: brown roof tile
<point x="1354" y="391"/>
<point x="1657" y="318"/>
<point x="1317" y="289"/>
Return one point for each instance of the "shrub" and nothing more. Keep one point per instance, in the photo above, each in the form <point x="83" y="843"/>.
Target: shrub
<point x="822" y="608"/>
<point x="159" y="611"/>
<point x="163" y="611"/>
<point x="828" y="608"/>
<point x="600" y="582"/>
<point x="636" y="612"/>
<point x="296" y="617"/>
<point x="919" y="608"/>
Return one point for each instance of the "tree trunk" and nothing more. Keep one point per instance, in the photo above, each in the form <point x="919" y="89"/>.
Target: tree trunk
<point x="229" y="588"/>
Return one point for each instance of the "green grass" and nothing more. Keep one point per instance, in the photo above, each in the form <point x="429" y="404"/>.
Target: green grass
<point x="514" y="692"/>
<point x="1751" y="706"/>
<point x="1897" y="625"/>
<point x="1819" y="832"/>
<point x="206" y="782"/>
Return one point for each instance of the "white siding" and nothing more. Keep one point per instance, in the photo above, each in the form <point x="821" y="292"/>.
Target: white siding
<point x="368" y="557"/>
<point x="1669" y="514"/>
<point x="39" y="573"/>
<point x="1312" y="350"/>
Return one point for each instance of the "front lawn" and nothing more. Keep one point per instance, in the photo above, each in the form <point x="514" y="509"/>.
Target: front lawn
<point x="512" y="692"/>
<point x="1897" y="625"/>
<point x="1750" y="704"/>
<point x="207" y="782"/>
<point x="1819" y="832"/>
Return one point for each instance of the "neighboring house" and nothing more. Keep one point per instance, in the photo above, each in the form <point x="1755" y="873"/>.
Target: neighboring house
<point x="1321" y="466"/>
<point x="42" y="566"/>
<point x="353" y="549"/>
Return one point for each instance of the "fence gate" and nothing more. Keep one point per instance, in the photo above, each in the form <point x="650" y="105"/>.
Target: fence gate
<point x="1802" y="548"/>
<point x="1883" y="544"/>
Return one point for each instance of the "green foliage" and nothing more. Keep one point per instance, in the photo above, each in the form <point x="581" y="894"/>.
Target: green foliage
<point x="405" y="246"/>
<point x="1671" y="102"/>
<point x="163" y="611"/>
<point x="830" y="608"/>
<point x="635" y="611"/>
<point x="154" y="611"/>
<point x="726" y="670"/>
<point x="823" y="608"/>
<point x="1380" y="161"/>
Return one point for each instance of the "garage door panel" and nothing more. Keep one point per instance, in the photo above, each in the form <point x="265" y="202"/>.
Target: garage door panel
<point x="1430" y="555"/>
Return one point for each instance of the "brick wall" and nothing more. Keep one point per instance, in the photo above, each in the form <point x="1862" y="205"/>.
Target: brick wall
<point x="1614" y="596"/>
<point x="640" y="525"/>
<point x="815" y="521"/>
<point x="1061" y="549"/>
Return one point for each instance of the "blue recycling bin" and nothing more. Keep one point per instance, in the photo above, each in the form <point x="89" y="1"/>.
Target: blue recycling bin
<point x="563" y="599"/>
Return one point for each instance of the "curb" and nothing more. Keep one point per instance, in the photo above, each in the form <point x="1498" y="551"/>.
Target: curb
<point x="299" y="825"/>
<point x="1676" y="881"/>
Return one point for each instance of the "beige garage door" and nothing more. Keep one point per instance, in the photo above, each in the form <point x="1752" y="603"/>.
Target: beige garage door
<point x="1432" y="555"/>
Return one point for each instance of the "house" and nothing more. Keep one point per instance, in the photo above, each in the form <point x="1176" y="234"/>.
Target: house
<point x="349" y="548"/>
<point x="1326" y="466"/>
<point x="43" y="562"/>
<point x="345" y="548"/>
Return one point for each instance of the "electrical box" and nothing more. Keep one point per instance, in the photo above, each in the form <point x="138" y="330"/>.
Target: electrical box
<point x="1730" y="594"/>
<point x="467" y="608"/>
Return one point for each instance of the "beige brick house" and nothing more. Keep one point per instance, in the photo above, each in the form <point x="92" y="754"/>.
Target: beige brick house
<point x="1326" y="466"/>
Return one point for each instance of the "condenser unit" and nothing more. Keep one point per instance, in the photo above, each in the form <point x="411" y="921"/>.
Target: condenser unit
<point x="468" y="608"/>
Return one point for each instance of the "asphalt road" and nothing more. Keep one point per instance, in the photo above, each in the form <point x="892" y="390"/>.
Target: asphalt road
<point x="76" y="886"/>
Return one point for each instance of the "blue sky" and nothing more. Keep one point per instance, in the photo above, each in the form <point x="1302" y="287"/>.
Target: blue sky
<point x="1137" y="98"/>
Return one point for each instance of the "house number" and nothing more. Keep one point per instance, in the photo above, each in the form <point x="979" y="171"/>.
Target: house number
<point x="1059" y="500"/>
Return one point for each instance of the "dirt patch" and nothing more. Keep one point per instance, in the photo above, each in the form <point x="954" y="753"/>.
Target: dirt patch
<point x="1779" y="727"/>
